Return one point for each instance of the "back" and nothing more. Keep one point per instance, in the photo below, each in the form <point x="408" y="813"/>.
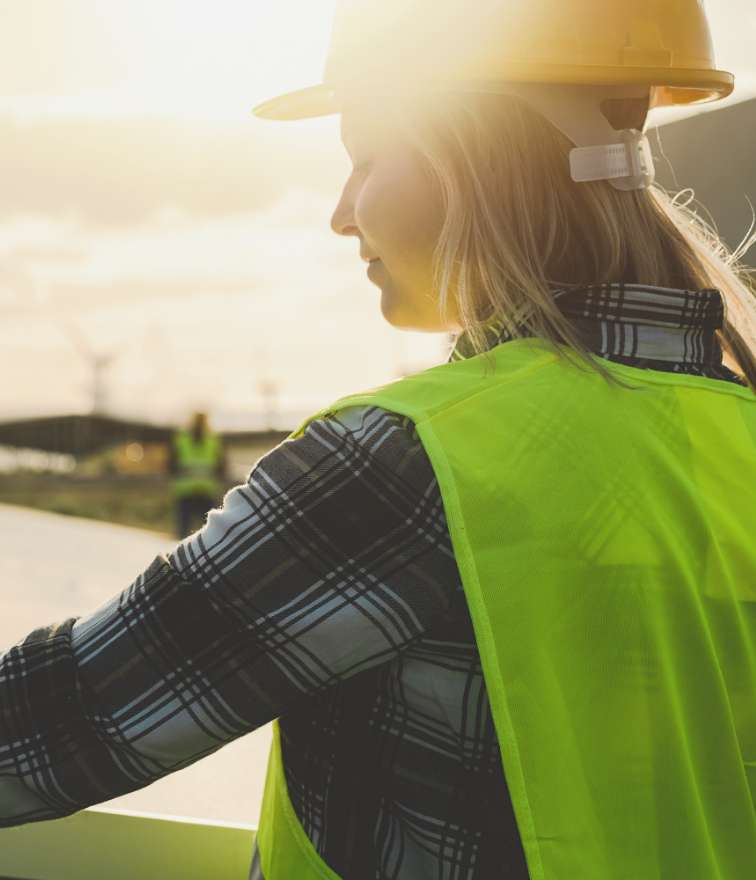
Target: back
<point x="604" y="541"/>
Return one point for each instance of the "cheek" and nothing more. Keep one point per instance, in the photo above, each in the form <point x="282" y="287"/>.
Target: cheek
<point x="421" y="207"/>
<point x="399" y="215"/>
<point x="376" y="212"/>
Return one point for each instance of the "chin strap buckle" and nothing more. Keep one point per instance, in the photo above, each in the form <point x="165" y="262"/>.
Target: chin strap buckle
<point x="627" y="165"/>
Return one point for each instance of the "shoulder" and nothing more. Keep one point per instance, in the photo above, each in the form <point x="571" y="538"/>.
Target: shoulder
<point x="368" y="426"/>
<point x="355" y="485"/>
<point x="360" y="465"/>
<point x="362" y="421"/>
<point x="366" y="437"/>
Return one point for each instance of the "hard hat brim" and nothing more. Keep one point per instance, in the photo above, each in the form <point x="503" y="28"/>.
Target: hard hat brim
<point x="319" y="100"/>
<point x="673" y="87"/>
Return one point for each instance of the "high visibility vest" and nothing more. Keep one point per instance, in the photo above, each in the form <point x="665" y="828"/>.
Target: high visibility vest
<point x="197" y="462"/>
<point x="605" y="541"/>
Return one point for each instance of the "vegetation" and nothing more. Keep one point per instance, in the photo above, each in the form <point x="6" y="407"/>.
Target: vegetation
<point x="145" y="503"/>
<point x="101" y="486"/>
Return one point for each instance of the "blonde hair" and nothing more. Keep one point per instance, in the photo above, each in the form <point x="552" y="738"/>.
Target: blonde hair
<point x="517" y="226"/>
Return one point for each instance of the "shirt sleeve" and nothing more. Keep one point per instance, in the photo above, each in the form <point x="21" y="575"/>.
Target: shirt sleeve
<point x="331" y="559"/>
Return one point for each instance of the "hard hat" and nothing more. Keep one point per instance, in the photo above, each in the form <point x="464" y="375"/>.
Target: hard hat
<point x="565" y="57"/>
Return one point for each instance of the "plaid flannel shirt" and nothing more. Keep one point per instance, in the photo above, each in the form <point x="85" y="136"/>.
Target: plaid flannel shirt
<point x="324" y="592"/>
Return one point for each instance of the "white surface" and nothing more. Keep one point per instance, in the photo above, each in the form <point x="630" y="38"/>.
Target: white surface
<point x="53" y="567"/>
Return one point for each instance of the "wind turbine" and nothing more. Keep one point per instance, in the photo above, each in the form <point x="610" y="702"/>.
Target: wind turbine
<point x="99" y="364"/>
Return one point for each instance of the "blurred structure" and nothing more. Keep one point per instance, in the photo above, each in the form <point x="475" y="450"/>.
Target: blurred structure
<point x="79" y="435"/>
<point x="82" y="435"/>
<point x="198" y="465"/>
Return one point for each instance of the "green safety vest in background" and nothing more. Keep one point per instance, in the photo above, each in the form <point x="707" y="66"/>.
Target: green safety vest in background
<point x="197" y="464"/>
<point x="605" y="540"/>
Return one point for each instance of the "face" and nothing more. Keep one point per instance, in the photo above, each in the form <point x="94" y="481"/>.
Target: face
<point x="390" y="204"/>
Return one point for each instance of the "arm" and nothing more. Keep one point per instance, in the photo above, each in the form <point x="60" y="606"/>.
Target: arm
<point x="308" y="575"/>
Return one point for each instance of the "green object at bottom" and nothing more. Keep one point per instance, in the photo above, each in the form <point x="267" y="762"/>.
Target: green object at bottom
<point x="604" y="537"/>
<point x="101" y="844"/>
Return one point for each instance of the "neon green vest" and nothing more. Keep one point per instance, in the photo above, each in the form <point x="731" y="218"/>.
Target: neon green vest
<point x="605" y="540"/>
<point x="196" y="463"/>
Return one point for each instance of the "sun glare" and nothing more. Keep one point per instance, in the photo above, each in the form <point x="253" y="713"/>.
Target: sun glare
<point x="213" y="59"/>
<point x="176" y="57"/>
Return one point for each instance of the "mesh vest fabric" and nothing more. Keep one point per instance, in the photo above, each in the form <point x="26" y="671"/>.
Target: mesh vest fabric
<point x="197" y="462"/>
<point x="605" y="541"/>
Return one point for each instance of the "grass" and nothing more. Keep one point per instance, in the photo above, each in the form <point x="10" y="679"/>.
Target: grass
<point x="95" y="492"/>
<point x="143" y="502"/>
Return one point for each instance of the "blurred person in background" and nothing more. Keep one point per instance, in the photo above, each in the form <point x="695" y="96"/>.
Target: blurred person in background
<point x="503" y="620"/>
<point x="197" y="463"/>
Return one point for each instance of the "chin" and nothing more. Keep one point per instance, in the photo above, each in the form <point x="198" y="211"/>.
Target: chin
<point x="392" y="311"/>
<point x="395" y="312"/>
<point x="403" y="321"/>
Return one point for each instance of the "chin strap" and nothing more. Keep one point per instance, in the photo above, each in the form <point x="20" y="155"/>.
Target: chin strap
<point x="627" y="165"/>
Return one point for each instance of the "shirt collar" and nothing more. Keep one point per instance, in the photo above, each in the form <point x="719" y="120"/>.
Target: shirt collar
<point x="632" y="321"/>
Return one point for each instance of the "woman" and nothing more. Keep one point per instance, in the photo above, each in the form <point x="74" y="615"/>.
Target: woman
<point x="503" y="609"/>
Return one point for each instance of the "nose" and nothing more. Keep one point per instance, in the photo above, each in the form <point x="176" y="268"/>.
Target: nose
<point x="342" y="219"/>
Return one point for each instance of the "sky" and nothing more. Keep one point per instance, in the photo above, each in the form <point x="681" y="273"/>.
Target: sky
<point x="151" y="223"/>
